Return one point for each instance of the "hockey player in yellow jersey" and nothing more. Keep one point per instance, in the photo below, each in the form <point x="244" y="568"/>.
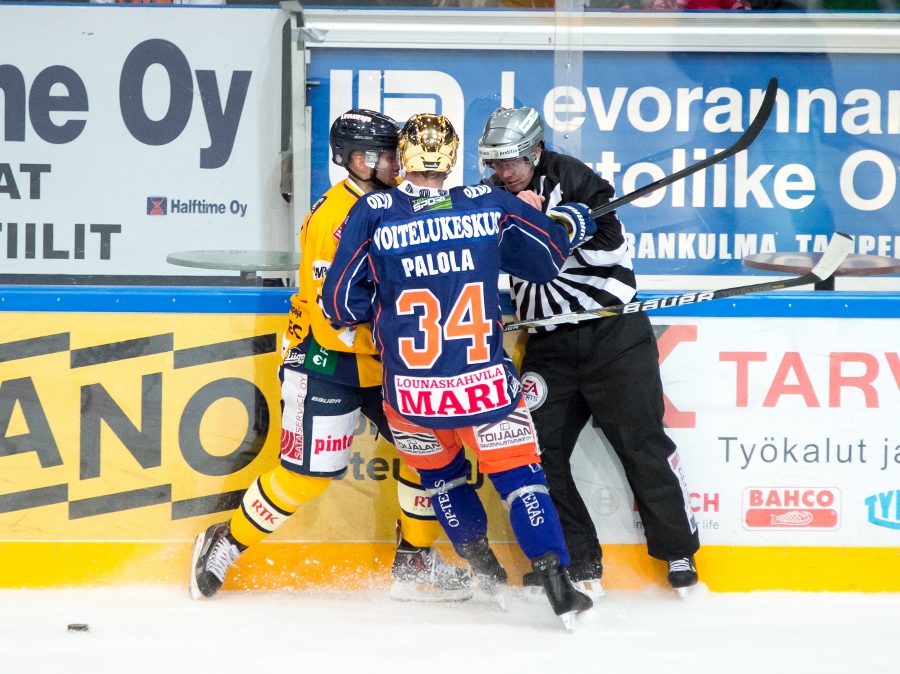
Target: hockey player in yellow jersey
<point x="328" y="377"/>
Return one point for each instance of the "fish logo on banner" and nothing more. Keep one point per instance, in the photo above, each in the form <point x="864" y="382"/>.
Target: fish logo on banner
<point x="792" y="508"/>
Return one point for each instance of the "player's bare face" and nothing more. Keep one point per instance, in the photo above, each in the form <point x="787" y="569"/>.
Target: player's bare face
<point x="388" y="167"/>
<point x="515" y="174"/>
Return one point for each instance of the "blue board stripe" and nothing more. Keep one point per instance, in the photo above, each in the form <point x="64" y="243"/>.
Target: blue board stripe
<point x="146" y="299"/>
<point x="230" y="300"/>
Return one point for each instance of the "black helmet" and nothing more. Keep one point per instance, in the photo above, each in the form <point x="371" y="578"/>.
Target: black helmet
<point x="362" y="131"/>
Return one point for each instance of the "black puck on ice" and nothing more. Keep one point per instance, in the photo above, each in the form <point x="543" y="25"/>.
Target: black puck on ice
<point x="79" y="627"/>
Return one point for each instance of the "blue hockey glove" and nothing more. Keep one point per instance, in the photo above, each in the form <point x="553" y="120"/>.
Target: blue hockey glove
<point x="577" y="219"/>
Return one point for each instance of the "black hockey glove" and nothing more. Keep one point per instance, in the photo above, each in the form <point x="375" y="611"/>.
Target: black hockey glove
<point x="577" y="219"/>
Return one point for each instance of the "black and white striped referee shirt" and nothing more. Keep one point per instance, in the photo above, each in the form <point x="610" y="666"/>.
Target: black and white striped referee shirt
<point x="596" y="274"/>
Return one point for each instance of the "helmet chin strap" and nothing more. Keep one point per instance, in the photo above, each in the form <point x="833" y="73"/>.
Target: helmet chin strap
<point x="373" y="180"/>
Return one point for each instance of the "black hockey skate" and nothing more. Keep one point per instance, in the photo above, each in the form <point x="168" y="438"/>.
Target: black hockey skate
<point x="566" y="601"/>
<point x="683" y="574"/>
<point x="214" y="551"/>
<point x="483" y="563"/>
<point x="420" y="574"/>
<point x="585" y="576"/>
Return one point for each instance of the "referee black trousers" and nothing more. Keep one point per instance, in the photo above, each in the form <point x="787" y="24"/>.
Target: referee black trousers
<point x="608" y="368"/>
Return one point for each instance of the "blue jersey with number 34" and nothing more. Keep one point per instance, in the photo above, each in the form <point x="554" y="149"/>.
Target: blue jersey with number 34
<point x="422" y="265"/>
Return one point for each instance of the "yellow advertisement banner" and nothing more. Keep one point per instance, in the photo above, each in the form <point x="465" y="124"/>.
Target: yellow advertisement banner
<point x="149" y="427"/>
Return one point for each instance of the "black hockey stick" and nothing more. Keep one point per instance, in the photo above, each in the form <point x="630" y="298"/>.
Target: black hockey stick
<point x="762" y="116"/>
<point x="841" y="245"/>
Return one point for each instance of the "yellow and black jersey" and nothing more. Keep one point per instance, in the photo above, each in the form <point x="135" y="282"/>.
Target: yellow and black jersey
<point x="345" y="355"/>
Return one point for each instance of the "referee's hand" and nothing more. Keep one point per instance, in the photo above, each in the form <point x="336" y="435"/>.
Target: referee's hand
<point x="531" y="198"/>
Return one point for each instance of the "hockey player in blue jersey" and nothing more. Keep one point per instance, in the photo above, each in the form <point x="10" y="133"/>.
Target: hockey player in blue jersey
<point x="421" y="264"/>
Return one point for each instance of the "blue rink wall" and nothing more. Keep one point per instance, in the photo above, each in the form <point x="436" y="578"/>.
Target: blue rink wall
<point x="826" y="160"/>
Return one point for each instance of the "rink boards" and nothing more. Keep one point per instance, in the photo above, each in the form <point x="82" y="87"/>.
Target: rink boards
<point x="131" y="419"/>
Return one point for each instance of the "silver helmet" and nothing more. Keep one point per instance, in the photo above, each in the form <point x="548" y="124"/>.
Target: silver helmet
<point x="508" y="134"/>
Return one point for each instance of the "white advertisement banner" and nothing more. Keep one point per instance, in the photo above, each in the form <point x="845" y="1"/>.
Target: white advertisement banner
<point x="786" y="428"/>
<point x="129" y="133"/>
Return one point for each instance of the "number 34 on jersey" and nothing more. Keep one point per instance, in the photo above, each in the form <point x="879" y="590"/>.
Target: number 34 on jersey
<point x="479" y="391"/>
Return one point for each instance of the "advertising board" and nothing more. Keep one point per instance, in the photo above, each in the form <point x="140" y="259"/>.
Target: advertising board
<point x="129" y="133"/>
<point x="826" y="161"/>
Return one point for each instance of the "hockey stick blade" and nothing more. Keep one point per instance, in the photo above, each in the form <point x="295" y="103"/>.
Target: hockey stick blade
<point x="762" y="116"/>
<point x="838" y="248"/>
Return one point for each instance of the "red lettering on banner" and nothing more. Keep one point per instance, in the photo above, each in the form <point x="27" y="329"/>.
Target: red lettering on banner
<point x="792" y="366"/>
<point x="742" y="360"/>
<point x="666" y="343"/>
<point x="812" y="508"/>
<point x="894" y="364"/>
<point x="837" y="380"/>
<point x="803" y="387"/>
<point x="422" y="502"/>
<point x="708" y="503"/>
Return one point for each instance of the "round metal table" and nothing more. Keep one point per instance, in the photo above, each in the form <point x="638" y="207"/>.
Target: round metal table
<point x="248" y="262"/>
<point x="802" y="263"/>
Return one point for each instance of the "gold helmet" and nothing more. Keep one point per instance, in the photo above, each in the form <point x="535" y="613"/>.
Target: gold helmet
<point x="428" y="143"/>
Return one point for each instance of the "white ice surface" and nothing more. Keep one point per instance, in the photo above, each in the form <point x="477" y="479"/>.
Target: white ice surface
<point x="161" y="631"/>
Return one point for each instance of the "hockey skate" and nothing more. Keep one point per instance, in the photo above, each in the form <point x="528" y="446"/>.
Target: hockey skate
<point x="532" y="590"/>
<point x="420" y="574"/>
<point x="491" y="576"/>
<point x="214" y="551"/>
<point x="585" y="577"/>
<point x="683" y="575"/>
<point x="567" y="602"/>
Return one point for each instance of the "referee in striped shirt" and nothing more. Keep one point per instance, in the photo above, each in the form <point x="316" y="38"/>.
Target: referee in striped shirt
<point x="605" y="369"/>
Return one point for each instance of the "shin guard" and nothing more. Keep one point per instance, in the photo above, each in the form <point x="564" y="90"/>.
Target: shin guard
<point x="531" y="512"/>
<point x="418" y="524"/>
<point x="455" y="501"/>
<point x="270" y="501"/>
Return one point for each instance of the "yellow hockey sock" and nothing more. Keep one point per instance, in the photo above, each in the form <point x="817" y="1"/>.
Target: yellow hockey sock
<point x="270" y="500"/>
<point x="418" y="525"/>
<point x="518" y="350"/>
